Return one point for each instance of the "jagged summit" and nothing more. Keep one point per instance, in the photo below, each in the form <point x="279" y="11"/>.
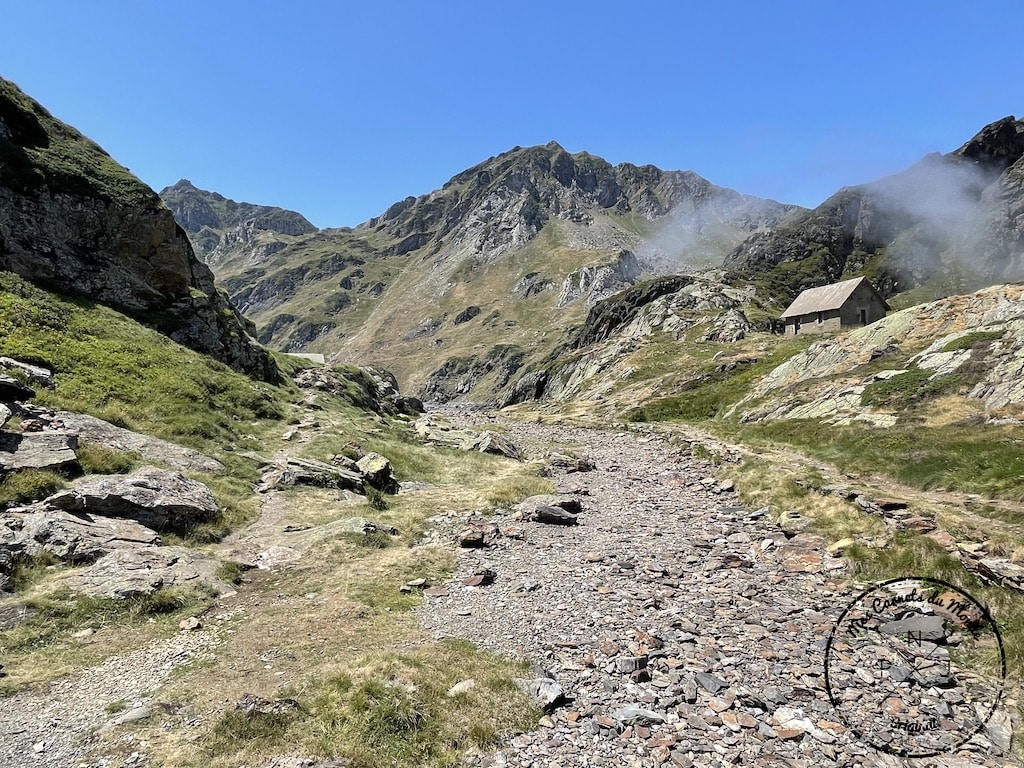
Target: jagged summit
<point x="506" y="200"/>
<point x="997" y="146"/>
<point x="221" y="228"/>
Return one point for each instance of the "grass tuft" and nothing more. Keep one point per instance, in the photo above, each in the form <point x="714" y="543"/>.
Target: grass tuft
<point x="29" y="485"/>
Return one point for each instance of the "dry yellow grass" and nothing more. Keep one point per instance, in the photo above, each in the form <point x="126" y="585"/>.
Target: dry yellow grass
<point x="335" y="624"/>
<point x="952" y="409"/>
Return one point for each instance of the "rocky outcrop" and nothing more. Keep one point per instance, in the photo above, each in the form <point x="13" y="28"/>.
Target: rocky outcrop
<point x="72" y="220"/>
<point x="112" y="522"/>
<point x="599" y="281"/>
<point x="90" y="429"/>
<point x="612" y="314"/>
<point x="223" y="229"/>
<point x="437" y="431"/>
<point x="615" y="327"/>
<point x="459" y="375"/>
<point x="370" y="388"/>
<point x="157" y="498"/>
<point x="71" y="537"/>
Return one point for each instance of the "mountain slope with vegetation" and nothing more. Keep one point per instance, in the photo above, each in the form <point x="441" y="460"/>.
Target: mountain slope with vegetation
<point x="160" y="511"/>
<point x="491" y="269"/>
<point x="283" y="605"/>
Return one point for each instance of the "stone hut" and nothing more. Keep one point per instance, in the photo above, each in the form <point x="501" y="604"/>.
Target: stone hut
<point x="834" y="307"/>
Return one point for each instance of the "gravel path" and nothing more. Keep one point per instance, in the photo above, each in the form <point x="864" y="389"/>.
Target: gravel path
<point x="54" y="726"/>
<point x="684" y="629"/>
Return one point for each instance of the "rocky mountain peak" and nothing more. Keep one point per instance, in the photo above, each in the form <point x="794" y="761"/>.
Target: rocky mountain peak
<point x="196" y="208"/>
<point x="506" y="200"/>
<point x="997" y="146"/>
<point x="221" y="228"/>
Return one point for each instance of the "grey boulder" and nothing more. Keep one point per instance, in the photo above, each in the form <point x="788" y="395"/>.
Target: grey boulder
<point x="157" y="498"/>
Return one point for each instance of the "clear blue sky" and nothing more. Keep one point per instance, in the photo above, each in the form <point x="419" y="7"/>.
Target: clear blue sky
<point x="338" y="109"/>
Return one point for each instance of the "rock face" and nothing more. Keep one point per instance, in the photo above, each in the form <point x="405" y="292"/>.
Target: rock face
<point x="974" y="343"/>
<point x="614" y="327"/>
<point x="71" y="219"/>
<point x="964" y="209"/>
<point x="460" y="375"/>
<point x="506" y="200"/>
<point x="222" y="229"/>
<point x="600" y="281"/>
<point x="156" y="498"/>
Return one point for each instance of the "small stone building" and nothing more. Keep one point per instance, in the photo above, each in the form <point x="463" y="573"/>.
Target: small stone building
<point x="848" y="304"/>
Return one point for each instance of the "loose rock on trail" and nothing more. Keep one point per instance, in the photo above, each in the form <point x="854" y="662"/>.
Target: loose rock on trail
<point x="683" y="628"/>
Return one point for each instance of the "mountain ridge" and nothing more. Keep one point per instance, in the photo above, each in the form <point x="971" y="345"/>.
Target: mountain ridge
<point x="527" y="240"/>
<point x="963" y="210"/>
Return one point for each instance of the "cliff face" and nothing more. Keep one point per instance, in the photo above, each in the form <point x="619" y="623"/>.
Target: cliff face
<point x="75" y="221"/>
<point x="963" y="210"/>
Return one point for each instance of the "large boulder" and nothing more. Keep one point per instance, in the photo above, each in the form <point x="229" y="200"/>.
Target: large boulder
<point x="70" y="537"/>
<point x="549" y="508"/>
<point x="157" y="498"/>
<point x="5" y="414"/>
<point x="492" y="442"/>
<point x="295" y="471"/>
<point x="378" y="472"/>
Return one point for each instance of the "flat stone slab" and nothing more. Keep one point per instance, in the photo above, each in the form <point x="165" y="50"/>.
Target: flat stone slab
<point x="38" y="450"/>
<point x="70" y="537"/>
<point x="140" y="572"/>
<point x="93" y="430"/>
